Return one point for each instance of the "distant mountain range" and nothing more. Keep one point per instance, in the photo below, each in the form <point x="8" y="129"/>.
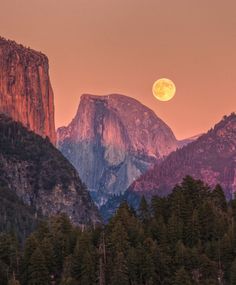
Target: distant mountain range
<point x="112" y="141"/>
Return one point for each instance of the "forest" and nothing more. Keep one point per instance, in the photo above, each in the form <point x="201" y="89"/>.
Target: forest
<point x="188" y="237"/>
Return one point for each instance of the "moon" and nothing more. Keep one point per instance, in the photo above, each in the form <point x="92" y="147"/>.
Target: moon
<point x="164" y="89"/>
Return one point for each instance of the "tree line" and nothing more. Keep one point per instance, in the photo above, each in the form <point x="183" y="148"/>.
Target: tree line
<point x="188" y="237"/>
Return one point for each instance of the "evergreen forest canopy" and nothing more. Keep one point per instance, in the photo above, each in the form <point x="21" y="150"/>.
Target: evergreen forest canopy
<point x="186" y="238"/>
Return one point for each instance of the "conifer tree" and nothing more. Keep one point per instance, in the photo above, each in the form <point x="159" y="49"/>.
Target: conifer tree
<point x="120" y="270"/>
<point x="46" y="248"/>
<point x="9" y="254"/>
<point x="30" y="246"/>
<point x="174" y="230"/>
<point x="143" y="211"/>
<point x="182" y="277"/>
<point x="88" y="269"/>
<point x="219" y="198"/>
<point x="61" y="234"/>
<point x="119" y="238"/>
<point x="38" y="273"/>
<point x="181" y="254"/>
<point x="67" y="269"/>
<point x="233" y="273"/>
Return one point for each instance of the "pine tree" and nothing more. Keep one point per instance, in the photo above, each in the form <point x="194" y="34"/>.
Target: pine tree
<point x="67" y="269"/>
<point x="88" y="269"/>
<point x="38" y="273"/>
<point x="182" y="277"/>
<point x="192" y="231"/>
<point x="159" y="231"/>
<point x="208" y="267"/>
<point x="174" y="230"/>
<point x="9" y="254"/>
<point x="84" y="259"/>
<point x="102" y="259"/>
<point x="46" y="248"/>
<point x="133" y="265"/>
<point x="233" y="273"/>
<point x="207" y="221"/>
<point x="150" y="250"/>
<point x="159" y="207"/>
<point x="219" y="199"/>
<point x="181" y="254"/>
<point x="120" y="270"/>
<point x="30" y="246"/>
<point x="62" y="239"/>
<point x="143" y="211"/>
<point x="119" y="238"/>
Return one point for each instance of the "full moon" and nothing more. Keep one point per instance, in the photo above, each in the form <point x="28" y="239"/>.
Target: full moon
<point x="164" y="89"/>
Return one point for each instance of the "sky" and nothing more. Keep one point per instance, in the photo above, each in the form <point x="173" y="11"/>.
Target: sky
<point x="123" y="46"/>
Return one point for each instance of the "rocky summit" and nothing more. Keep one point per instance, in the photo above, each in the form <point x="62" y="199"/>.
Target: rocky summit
<point x="40" y="176"/>
<point x="211" y="158"/>
<point x="112" y="140"/>
<point x="25" y="90"/>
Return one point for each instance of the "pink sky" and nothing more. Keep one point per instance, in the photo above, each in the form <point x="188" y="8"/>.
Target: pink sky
<point x="123" y="46"/>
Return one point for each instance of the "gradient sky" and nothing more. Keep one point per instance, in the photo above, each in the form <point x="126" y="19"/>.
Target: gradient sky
<point x="123" y="46"/>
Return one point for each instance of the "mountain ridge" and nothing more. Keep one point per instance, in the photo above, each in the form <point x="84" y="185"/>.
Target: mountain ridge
<point x="41" y="177"/>
<point x="212" y="158"/>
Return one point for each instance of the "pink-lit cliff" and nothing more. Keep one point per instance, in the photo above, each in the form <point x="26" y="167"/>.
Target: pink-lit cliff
<point x="113" y="140"/>
<point x="25" y="90"/>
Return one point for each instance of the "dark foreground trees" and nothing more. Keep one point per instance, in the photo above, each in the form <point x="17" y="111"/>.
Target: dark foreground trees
<point x="188" y="237"/>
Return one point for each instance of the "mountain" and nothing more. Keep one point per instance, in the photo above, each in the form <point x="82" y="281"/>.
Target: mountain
<point x="211" y="158"/>
<point x="184" y="142"/>
<point x="25" y="90"/>
<point x="112" y="140"/>
<point x="33" y="169"/>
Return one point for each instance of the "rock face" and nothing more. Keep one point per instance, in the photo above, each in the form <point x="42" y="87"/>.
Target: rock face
<point x="113" y="140"/>
<point x="211" y="158"/>
<point x="25" y="90"/>
<point x="40" y="176"/>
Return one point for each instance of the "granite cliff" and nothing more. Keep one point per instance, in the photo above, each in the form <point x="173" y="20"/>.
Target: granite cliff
<point x="25" y="90"/>
<point x="40" y="176"/>
<point x="113" y="140"/>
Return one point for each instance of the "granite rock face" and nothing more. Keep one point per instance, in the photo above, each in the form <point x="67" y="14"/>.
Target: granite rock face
<point x="25" y="90"/>
<point x="211" y="158"/>
<point x="41" y="177"/>
<point x="113" y="140"/>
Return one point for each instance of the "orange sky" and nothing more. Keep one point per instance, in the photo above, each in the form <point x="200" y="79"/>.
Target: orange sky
<point x="123" y="46"/>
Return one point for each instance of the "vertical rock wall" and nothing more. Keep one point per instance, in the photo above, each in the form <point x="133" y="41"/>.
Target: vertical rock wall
<point x="25" y="90"/>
